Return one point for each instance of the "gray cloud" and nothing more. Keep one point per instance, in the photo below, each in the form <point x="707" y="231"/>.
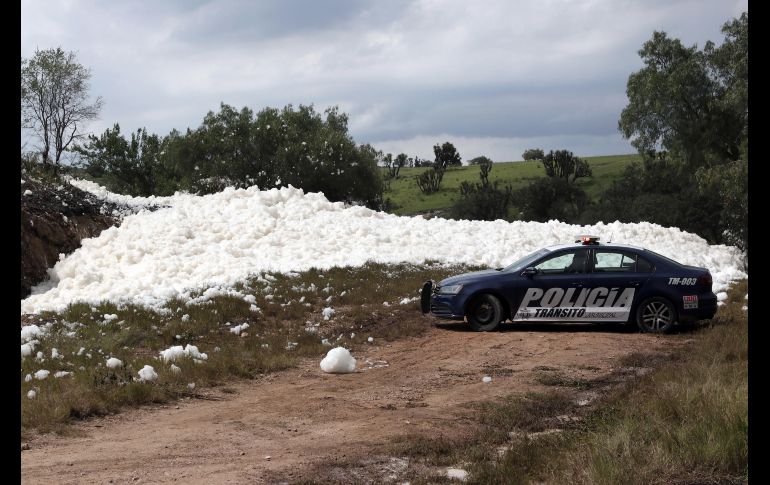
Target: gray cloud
<point x="406" y="72"/>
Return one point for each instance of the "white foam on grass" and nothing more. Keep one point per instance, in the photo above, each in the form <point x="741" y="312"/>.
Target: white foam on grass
<point x="338" y="361"/>
<point x="27" y="349"/>
<point x="114" y="363"/>
<point x="31" y="332"/>
<point x="457" y="473"/>
<point x="42" y="374"/>
<point x="239" y="328"/>
<point x="147" y="374"/>
<point x="175" y="352"/>
<point x="209" y="243"/>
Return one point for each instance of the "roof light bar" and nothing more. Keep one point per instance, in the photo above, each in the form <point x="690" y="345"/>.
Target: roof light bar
<point x="586" y="239"/>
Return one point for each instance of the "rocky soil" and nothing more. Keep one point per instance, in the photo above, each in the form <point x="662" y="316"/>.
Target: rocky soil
<point x="54" y="218"/>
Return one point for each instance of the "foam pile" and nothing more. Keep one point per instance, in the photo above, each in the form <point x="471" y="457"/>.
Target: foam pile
<point x="196" y="243"/>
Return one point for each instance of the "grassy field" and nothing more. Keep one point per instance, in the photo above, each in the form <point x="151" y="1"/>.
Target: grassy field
<point x="407" y="198"/>
<point x="686" y="421"/>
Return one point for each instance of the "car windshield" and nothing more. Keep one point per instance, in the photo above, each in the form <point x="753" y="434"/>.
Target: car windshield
<point x="526" y="260"/>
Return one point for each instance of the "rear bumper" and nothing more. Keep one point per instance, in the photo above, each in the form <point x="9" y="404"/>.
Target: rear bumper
<point x="707" y="308"/>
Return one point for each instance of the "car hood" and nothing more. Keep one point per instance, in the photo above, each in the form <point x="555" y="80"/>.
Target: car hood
<point x="467" y="278"/>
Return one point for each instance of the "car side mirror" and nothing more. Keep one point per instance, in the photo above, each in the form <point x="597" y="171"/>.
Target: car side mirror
<point x="529" y="272"/>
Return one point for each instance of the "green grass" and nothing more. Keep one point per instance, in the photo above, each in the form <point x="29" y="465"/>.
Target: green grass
<point x="137" y="336"/>
<point x="685" y="422"/>
<point x="407" y="198"/>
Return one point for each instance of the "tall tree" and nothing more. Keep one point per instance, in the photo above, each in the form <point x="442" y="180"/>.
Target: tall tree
<point x="55" y="101"/>
<point x="690" y="102"/>
<point x="446" y="155"/>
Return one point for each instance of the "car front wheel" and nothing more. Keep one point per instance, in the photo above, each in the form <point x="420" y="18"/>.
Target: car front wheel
<point x="655" y="315"/>
<point x="485" y="313"/>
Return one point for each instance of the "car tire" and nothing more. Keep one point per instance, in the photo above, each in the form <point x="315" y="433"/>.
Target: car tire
<point x="485" y="313"/>
<point x="655" y="315"/>
<point x="425" y="296"/>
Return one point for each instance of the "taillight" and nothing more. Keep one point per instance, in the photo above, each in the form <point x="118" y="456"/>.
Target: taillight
<point x="705" y="280"/>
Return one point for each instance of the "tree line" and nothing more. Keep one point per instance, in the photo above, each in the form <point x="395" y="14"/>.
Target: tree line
<point x="687" y="116"/>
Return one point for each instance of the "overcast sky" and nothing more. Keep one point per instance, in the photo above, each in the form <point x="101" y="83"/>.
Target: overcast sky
<point x="493" y="77"/>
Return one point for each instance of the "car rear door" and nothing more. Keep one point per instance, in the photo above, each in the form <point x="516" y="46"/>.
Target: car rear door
<point x="617" y="278"/>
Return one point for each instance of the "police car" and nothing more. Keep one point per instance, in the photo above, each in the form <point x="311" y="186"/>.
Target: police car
<point x="584" y="282"/>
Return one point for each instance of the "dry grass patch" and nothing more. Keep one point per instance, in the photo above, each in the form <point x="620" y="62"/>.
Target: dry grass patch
<point x="280" y="318"/>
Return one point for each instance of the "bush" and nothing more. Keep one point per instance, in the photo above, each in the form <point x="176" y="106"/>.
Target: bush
<point x="482" y="202"/>
<point x="550" y="198"/>
<point x="430" y="180"/>
<point x="665" y="193"/>
<point x="533" y="154"/>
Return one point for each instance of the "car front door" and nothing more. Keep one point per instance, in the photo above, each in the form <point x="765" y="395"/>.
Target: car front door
<point x="552" y="291"/>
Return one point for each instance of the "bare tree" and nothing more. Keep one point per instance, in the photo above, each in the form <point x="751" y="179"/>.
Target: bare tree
<point x="54" y="100"/>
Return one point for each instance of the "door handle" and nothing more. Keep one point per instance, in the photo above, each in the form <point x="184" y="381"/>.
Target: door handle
<point x="634" y="283"/>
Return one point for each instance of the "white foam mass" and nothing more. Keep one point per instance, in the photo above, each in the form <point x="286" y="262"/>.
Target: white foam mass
<point x="171" y="354"/>
<point x="30" y="332"/>
<point x="27" y="349"/>
<point x="147" y="374"/>
<point x="338" y="361"/>
<point x="328" y="312"/>
<point x="42" y="374"/>
<point x="114" y="363"/>
<point x="216" y="240"/>
<point x="239" y="328"/>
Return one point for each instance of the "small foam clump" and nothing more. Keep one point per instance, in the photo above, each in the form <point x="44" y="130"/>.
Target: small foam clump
<point x="147" y="374"/>
<point x="171" y="354"/>
<point x="338" y="361"/>
<point x="42" y="374"/>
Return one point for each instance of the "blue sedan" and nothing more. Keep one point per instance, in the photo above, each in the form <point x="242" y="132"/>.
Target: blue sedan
<point x="586" y="282"/>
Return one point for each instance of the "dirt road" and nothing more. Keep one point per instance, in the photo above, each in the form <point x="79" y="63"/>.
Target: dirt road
<point x="289" y="423"/>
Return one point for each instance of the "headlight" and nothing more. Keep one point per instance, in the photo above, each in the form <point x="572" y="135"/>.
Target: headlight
<point x="450" y="290"/>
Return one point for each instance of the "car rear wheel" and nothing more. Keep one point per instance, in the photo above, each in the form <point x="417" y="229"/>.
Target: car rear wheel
<point x="655" y="315"/>
<point x="485" y="313"/>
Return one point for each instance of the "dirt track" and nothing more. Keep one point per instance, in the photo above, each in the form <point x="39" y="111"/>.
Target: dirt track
<point x="302" y="418"/>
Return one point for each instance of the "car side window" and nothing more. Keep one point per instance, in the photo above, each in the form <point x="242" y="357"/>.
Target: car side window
<point x="619" y="261"/>
<point x="564" y="263"/>
<point x="644" y="266"/>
